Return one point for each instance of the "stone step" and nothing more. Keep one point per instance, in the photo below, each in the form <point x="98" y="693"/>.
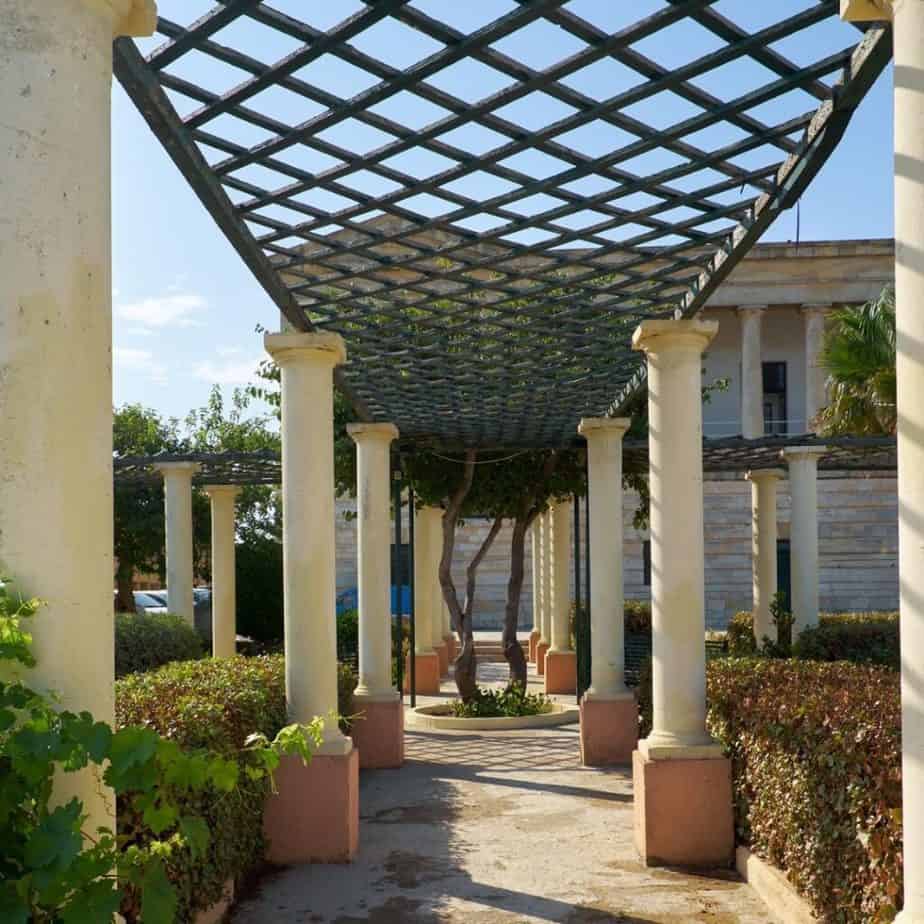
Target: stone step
<point x="493" y="652"/>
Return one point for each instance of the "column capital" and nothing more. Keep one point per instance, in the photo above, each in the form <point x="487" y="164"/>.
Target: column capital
<point x="816" y="309"/>
<point x="594" y="427"/>
<point x="366" y="432"/>
<point x="662" y="336"/>
<point x="867" y="10"/>
<point x="177" y="468"/>
<point x="803" y="453"/>
<point x="765" y="474"/>
<point x="129" y="17"/>
<point x="751" y="311"/>
<point x="222" y="490"/>
<point x="325" y="348"/>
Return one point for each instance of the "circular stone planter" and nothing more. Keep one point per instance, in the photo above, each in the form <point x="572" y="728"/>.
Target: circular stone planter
<point x="440" y="717"/>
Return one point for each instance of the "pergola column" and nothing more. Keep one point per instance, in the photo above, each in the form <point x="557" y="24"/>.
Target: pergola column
<point x="683" y="805"/>
<point x="55" y="347"/>
<point x="561" y="659"/>
<point x="545" y="621"/>
<point x="378" y="732"/>
<point x="224" y="586"/>
<point x="609" y="715"/>
<point x="752" y="376"/>
<point x="440" y="644"/>
<point x="763" y="547"/>
<point x="178" y="478"/>
<point x="816" y="376"/>
<point x="315" y="815"/>
<point x="803" y="533"/>
<point x="536" y="557"/>
<point x="427" y="534"/>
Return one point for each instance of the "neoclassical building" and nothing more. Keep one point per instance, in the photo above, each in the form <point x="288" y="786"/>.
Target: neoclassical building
<point x="771" y="313"/>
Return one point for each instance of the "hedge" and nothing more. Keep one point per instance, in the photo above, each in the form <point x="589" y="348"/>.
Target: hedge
<point x="863" y="638"/>
<point x="816" y="754"/>
<point x="213" y="704"/>
<point x="144" y="641"/>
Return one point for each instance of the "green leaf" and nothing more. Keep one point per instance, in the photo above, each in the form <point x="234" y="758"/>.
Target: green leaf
<point x="224" y="774"/>
<point x="196" y="834"/>
<point x="92" y="903"/>
<point x="13" y="909"/>
<point x="55" y="842"/>
<point x="158" y="898"/>
<point x="161" y="816"/>
<point x="94" y="737"/>
<point x="131" y="746"/>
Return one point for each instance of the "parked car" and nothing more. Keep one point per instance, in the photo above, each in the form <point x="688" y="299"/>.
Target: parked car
<point x="146" y="602"/>
<point x="202" y="611"/>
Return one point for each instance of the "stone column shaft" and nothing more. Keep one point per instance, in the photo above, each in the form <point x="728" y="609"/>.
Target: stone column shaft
<point x="815" y="374"/>
<point x="307" y="362"/>
<point x="427" y="535"/>
<point x="752" y="377"/>
<point x="224" y="586"/>
<point x="546" y="612"/>
<point x="373" y="483"/>
<point x="561" y="577"/>
<point x="536" y="558"/>
<point x="674" y="350"/>
<point x="763" y="547"/>
<point x="179" y="536"/>
<point x="607" y="600"/>
<point x="803" y="533"/>
<point x="55" y="346"/>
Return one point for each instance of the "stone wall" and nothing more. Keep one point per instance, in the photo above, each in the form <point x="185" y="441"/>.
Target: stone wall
<point x="858" y="543"/>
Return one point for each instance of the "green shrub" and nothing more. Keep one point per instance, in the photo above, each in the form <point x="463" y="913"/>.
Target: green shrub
<point x="816" y="755"/>
<point x="258" y="569"/>
<point x="864" y="638"/>
<point x="346" y="684"/>
<point x="215" y="704"/>
<point x="149" y="640"/>
<point x="638" y="616"/>
<point x="741" y="641"/>
<point x="509" y="702"/>
<point x="348" y="636"/>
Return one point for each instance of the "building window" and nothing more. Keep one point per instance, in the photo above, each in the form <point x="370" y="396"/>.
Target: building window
<point x="646" y="563"/>
<point x="774" y="375"/>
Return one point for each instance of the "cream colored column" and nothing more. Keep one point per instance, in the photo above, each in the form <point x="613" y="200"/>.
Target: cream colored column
<point x="437" y="551"/>
<point x="561" y="577"/>
<point x="675" y="414"/>
<point x="752" y="376"/>
<point x="373" y="483"/>
<point x="426" y="536"/>
<point x="536" y="551"/>
<point x="307" y="363"/>
<point x="763" y="547"/>
<point x="447" y="616"/>
<point x="179" y="533"/>
<point x="803" y="533"/>
<point x="908" y="39"/>
<point x="224" y="582"/>
<point x="815" y="374"/>
<point x="607" y="601"/>
<point x="55" y="345"/>
<point x="546" y="612"/>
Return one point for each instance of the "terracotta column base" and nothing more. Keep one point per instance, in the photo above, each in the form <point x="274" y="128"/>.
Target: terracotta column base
<point x="428" y="673"/>
<point x="314" y="817"/>
<point x="378" y="731"/>
<point x="609" y="731"/>
<point x="541" y="649"/>
<point x="534" y="637"/>
<point x="560" y="672"/>
<point x="443" y="654"/>
<point x="683" y="811"/>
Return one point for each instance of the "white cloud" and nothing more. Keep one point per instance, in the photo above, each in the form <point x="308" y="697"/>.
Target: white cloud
<point x="228" y="351"/>
<point x="141" y="362"/>
<point x="163" y="311"/>
<point x="231" y="372"/>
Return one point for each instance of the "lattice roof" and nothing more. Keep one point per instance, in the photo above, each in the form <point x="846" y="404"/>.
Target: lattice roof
<point x="485" y="199"/>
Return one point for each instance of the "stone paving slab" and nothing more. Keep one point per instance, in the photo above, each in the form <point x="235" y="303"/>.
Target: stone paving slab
<point x="497" y="828"/>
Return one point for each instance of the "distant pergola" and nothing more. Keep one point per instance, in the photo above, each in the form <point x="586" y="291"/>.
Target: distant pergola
<point x="484" y="260"/>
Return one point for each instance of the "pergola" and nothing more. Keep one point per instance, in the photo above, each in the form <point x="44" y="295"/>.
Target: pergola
<point x="512" y="218"/>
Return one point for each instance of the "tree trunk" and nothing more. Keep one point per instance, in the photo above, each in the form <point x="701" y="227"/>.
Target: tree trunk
<point x="125" y="599"/>
<point x="513" y="651"/>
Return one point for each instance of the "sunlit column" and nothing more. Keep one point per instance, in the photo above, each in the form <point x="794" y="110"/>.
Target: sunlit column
<point x="56" y="344"/>
<point x="561" y="577"/>
<point x="178" y="478"/>
<point x="815" y="374"/>
<point x="763" y="547"/>
<point x="224" y="587"/>
<point x="752" y="378"/>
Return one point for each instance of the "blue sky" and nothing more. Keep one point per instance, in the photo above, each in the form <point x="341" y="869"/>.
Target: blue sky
<point x="186" y="309"/>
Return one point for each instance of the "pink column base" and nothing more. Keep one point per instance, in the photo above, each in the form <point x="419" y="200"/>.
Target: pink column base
<point x="378" y="733"/>
<point x="314" y="816"/>
<point x="560" y="672"/>
<point x="609" y="731"/>
<point x="533" y="644"/>
<point x="428" y="673"/>
<point x="442" y="653"/>
<point x="683" y="811"/>
<point x="541" y="650"/>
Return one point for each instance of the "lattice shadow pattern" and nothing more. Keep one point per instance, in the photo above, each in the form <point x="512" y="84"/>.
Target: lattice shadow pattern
<point x="486" y="198"/>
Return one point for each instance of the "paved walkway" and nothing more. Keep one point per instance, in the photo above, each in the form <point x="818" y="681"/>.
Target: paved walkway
<point x="497" y="828"/>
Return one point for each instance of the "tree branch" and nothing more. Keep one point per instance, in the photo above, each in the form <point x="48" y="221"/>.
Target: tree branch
<point x="476" y="561"/>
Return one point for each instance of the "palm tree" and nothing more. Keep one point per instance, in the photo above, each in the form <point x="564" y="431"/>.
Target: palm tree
<point x="859" y="353"/>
